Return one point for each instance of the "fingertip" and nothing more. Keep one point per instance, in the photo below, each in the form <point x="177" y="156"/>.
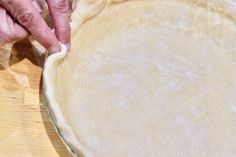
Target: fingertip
<point x="68" y="45"/>
<point x="63" y="34"/>
<point x="54" y="49"/>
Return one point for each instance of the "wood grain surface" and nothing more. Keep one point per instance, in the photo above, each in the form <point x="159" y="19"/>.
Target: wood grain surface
<point x="25" y="128"/>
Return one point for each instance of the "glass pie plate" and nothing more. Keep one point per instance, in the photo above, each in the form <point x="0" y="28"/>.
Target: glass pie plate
<point x="72" y="152"/>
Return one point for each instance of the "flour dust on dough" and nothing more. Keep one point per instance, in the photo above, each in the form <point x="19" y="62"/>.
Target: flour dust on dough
<point x="149" y="78"/>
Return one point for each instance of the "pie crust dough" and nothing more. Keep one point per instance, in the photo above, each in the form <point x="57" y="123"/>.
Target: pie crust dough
<point x="149" y="78"/>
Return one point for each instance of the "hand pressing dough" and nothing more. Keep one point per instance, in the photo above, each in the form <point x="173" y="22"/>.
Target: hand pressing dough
<point x="151" y="78"/>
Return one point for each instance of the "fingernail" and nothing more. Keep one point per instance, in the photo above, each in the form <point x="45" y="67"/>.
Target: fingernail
<point x="68" y="45"/>
<point x="54" y="49"/>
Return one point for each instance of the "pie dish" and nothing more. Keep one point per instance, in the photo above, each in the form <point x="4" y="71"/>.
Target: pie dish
<point x="147" y="78"/>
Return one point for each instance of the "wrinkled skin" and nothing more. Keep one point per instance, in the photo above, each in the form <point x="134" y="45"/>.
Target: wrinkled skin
<point x="20" y="18"/>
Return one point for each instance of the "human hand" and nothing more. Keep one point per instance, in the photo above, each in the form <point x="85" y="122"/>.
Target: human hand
<point x="19" y="18"/>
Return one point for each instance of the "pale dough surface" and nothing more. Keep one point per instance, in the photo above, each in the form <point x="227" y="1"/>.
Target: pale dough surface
<point x="153" y="78"/>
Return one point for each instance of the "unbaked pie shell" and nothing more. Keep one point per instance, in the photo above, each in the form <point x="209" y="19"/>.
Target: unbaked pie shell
<point x="147" y="78"/>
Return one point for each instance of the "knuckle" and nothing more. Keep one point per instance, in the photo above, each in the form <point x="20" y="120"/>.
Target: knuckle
<point x="25" y="18"/>
<point x="61" y="6"/>
<point x="9" y="4"/>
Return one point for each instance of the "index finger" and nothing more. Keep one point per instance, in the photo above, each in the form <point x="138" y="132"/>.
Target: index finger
<point x="59" y="12"/>
<point x="26" y="14"/>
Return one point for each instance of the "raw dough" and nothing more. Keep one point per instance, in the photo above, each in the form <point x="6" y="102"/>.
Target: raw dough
<point x="151" y="78"/>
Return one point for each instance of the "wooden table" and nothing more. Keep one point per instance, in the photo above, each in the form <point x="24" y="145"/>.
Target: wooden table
<point x="25" y="128"/>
